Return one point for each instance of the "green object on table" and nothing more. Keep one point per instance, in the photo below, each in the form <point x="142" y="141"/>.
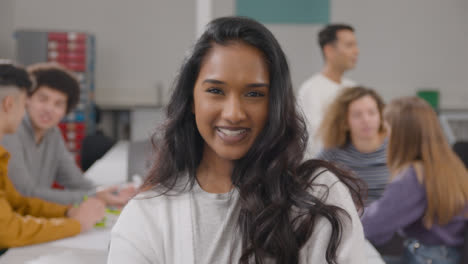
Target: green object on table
<point x="113" y="211"/>
<point x="431" y="96"/>
<point x="102" y="223"/>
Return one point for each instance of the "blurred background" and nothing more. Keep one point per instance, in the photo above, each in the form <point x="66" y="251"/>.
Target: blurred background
<point x="137" y="47"/>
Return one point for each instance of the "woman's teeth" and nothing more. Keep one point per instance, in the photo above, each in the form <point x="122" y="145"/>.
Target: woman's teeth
<point x="229" y="132"/>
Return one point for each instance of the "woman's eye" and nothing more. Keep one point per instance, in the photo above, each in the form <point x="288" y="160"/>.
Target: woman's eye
<point x="215" y="91"/>
<point x="255" y="94"/>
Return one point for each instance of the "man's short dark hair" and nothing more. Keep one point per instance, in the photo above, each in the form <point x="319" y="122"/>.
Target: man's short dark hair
<point x="14" y="76"/>
<point x="58" y="79"/>
<point x="328" y="34"/>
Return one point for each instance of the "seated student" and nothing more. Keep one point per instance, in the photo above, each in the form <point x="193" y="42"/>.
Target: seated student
<point x="229" y="185"/>
<point x="39" y="155"/>
<point x="25" y="220"/>
<point x="428" y="196"/>
<point x="354" y="137"/>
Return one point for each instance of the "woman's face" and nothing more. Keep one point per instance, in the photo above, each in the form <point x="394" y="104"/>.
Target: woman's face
<point x="231" y="99"/>
<point x="364" y="118"/>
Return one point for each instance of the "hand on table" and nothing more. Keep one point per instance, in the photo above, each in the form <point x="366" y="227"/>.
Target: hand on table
<point x="88" y="213"/>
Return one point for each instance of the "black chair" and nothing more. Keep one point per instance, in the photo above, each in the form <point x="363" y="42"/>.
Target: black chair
<point x="461" y="148"/>
<point x="394" y="247"/>
<point x="464" y="253"/>
<point x="93" y="148"/>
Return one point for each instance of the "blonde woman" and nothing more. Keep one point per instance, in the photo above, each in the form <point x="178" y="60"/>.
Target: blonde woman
<point x="427" y="197"/>
<point x="354" y="137"/>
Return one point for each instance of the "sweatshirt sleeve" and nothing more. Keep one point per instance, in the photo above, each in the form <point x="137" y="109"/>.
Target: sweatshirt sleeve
<point x="26" y="221"/>
<point x="68" y="173"/>
<point x="24" y="180"/>
<point x="20" y="230"/>
<point x="131" y="240"/>
<point x="402" y="203"/>
<point x="352" y="246"/>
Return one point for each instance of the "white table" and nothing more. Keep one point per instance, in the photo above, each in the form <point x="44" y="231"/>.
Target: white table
<point x="87" y="248"/>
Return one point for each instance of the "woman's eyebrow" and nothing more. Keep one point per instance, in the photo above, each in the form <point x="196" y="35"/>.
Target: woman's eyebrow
<point x="250" y="85"/>
<point x="258" y="85"/>
<point x="213" y="81"/>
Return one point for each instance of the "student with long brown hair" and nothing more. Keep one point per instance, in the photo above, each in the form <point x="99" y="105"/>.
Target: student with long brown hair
<point x="354" y="137"/>
<point x="428" y="194"/>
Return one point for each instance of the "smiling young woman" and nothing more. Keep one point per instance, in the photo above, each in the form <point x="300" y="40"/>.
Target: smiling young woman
<point x="229" y="184"/>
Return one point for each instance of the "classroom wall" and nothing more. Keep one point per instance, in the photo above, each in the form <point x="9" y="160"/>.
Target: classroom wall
<point x="405" y="45"/>
<point x="144" y="122"/>
<point x="6" y="29"/>
<point x="140" y="44"/>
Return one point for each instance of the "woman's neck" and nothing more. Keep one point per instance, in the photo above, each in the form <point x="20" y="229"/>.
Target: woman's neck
<point x="368" y="145"/>
<point x="214" y="173"/>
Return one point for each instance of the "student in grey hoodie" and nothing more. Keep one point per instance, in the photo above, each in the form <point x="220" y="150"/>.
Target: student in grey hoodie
<point x="39" y="155"/>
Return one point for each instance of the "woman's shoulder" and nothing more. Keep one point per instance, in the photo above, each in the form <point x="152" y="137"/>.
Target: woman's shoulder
<point x="158" y="196"/>
<point x="324" y="176"/>
<point x="328" y="187"/>
<point x="332" y="191"/>
<point x="157" y="199"/>
<point x="153" y="206"/>
<point x="146" y="221"/>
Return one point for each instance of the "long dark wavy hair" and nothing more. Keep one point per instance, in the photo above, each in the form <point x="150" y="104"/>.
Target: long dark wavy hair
<point x="271" y="178"/>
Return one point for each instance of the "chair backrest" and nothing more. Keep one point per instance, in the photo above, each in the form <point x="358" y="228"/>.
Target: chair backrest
<point x="464" y="255"/>
<point x="93" y="148"/>
<point x="461" y="148"/>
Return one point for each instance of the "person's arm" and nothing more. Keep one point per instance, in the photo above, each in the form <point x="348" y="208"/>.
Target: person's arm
<point x="402" y="203"/>
<point x="26" y="221"/>
<point x="69" y="174"/>
<point x="122" y="250"/>
<point x="351" y="249"/>
<point x="130" y="241"/>
<point x="25" y="183"/>
<point x="71" y="177"/>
